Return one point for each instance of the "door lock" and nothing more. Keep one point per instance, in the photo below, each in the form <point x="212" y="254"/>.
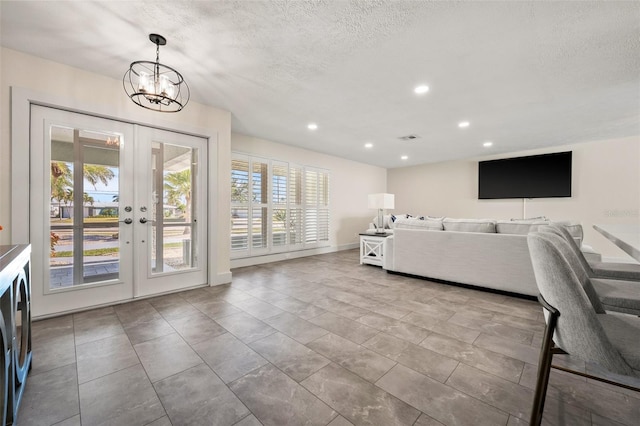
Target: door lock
<point x="143" y="220"/>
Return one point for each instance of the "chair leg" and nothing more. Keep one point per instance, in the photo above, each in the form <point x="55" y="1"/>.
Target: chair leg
<point x="544" y="369"/>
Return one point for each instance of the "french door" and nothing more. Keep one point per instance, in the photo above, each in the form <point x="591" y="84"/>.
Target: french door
<point x="117" y="210"/>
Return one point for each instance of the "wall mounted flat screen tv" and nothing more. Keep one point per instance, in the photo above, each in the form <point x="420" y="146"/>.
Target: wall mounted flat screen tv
<point x="535" y="176"/>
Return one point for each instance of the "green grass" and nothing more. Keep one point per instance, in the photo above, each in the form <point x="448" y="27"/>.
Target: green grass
<point x="106" y="251"/>
<point x="92" y="252"/>
<point x="172" y="245"/>
<point x="94" y="219"/>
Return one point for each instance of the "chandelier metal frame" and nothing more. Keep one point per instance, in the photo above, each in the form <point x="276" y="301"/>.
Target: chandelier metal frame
<point x="155" y="86"/>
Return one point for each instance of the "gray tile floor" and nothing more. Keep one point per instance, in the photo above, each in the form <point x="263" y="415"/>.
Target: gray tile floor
<point x="314" y="341"/>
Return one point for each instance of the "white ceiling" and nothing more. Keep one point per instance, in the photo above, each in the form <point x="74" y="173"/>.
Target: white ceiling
<point x="525" y="74"/>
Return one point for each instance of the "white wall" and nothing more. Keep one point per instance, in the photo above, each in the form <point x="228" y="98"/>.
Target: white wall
<point x="606" y="189"/>
<point x="101" y="95"/>
<point x="350" y="183"/>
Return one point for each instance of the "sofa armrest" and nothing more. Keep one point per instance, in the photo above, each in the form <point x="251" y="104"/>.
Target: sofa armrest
<point x="387" y="254"/>
<point x="590" y="254"/>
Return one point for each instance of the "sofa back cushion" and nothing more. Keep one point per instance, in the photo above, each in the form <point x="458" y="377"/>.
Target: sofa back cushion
<point x="469" y="225"/>
<point x="520" y="227"/>
<point x="417" y="223"/>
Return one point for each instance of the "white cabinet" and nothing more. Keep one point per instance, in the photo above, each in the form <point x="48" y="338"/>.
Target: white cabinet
<point x="372" y="248"/>
<point x="15" y="327"/>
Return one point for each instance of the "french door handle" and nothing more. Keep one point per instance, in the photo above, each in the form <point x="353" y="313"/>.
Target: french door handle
<point x="143" y="220"/>
<point x="128" y="221"/>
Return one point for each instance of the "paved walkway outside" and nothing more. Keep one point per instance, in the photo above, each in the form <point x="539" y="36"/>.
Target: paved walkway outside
<point x="62" y="276"/>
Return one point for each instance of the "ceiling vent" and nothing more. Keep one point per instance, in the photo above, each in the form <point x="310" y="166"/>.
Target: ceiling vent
<point x="408" y="137"/>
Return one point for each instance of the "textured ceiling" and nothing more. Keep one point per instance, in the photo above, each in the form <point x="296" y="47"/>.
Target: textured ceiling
<point x="525" y="74"/>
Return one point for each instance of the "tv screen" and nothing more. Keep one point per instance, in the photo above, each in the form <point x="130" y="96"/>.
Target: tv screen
<point x="536" y="176"/>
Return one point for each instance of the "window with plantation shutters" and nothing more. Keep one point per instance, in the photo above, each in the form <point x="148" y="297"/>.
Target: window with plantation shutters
<point x="277" y="206"/>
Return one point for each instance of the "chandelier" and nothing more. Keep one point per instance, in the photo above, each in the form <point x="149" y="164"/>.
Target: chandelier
<point x="113" y="142"/>
<point x="155" y="86"/>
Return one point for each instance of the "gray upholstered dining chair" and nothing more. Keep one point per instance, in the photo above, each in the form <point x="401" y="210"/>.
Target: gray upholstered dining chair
<point x="574" y="323"/>
<point x="612" y="270"/>
<point x="615" y="294"/>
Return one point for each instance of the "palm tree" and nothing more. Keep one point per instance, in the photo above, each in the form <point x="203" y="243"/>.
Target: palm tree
<point x="94" y="173"/>
<point x="177" y="187"/>
<point x="61" y="181"/>
<point x="87" y="199"/>
<point x="239" y="190"/>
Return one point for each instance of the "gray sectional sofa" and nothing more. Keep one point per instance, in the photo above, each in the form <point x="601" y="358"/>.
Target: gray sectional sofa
<point x="479" y="252"/>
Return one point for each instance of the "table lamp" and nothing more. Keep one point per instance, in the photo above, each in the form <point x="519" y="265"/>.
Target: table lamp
<point x="381" y="202"/>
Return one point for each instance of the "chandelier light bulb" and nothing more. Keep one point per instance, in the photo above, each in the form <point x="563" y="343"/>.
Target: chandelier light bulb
<point x="143" y="82"/>
<point x="166" y="87"/>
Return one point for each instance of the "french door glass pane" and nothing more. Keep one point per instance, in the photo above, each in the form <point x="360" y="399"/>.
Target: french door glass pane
<point x="83" y="206"/>
<point x="174" y="227"/>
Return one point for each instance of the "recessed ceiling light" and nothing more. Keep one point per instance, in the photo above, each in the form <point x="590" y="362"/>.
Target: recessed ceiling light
<point x="408" y="137"/>
<point x="463" y="124"/>
<point x="422" y="89"/>
<point x="368" y="145"/>
<point x="487" y="144"/>
<point x="312" y="126"/>
<point x="404" y="157"/>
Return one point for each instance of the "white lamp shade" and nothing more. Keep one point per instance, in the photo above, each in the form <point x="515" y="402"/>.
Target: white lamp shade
<point x="381" y="201"/>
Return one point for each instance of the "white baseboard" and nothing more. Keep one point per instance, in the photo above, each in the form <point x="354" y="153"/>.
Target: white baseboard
<point x="221" y="278"/>
<point x="277" y="257"/>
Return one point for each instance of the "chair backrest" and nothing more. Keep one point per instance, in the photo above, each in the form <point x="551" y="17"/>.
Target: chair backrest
<point x="578" y="330"/>
<point x="576" y="266"/>
<point x="562" y="231"/>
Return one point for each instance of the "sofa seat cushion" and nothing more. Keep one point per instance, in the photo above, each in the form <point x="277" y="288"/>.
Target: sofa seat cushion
<point x="469" y="225"/>
<point x="417" y="223"/>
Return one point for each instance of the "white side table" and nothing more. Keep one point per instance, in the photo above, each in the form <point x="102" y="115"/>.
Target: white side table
<point x="372" y="248"/>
